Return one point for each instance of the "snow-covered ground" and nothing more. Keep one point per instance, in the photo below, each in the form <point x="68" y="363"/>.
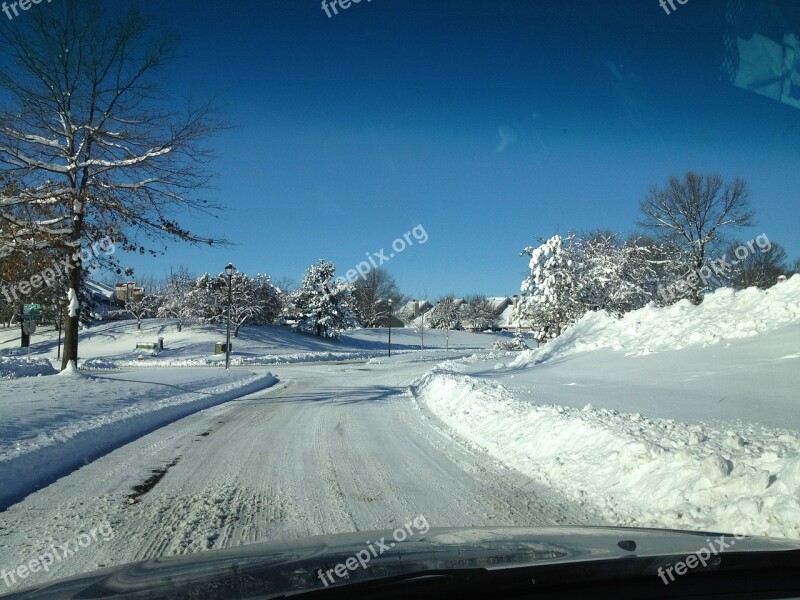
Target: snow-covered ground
<point x="51" y="424"/>
<point x="113" y="345"/>
<point x="684" y="417"/>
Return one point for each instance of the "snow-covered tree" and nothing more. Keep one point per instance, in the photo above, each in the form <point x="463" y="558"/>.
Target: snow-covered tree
<point x="446" y="317"/>
<point x="322" y="303"/>
<point x="86" y="132"/>
<point x="268" y="298"/>
<point x="252" y="300"/>
<point x="614" y="276"/>
<point x="142" y="307"/>
<point x="175" y="297"/>
<point x="551" y="293"/>
<point x="478" y="313"/>
<point x="244" y="303"/>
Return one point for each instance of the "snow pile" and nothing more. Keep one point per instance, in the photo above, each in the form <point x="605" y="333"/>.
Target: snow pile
<point x="635" y="470"/>
<point x="723" y="315"/>
<point x="215" y="360"/>
<point x="58" y="426"/>
<point x="70" y="371"/>
<point x="12" y="367"/>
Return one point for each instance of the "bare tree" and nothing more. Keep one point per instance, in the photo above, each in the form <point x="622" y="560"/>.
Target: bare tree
<point x="370" y="295"/>
<point x="692" y="213"/>
<point x="286" y="284"/>
<point x="759" y="266"/>
<point x="416" y="318"/>
<point x="445" y="316"/>
<point x="141" y="308"/>
<point x="96" y="149"/>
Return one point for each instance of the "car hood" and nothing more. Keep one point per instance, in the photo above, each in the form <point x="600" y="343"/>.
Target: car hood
<point x="277" y="568"/>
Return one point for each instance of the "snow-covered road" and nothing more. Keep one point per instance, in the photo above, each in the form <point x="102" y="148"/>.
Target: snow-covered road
<point x="331" y="448"/>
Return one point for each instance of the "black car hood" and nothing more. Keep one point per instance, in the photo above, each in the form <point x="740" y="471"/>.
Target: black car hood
<point x="283" y="568"/>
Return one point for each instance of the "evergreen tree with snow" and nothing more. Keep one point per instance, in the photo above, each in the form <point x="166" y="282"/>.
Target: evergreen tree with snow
<point x="551" y="293"/>
<point x="323" y="304"/>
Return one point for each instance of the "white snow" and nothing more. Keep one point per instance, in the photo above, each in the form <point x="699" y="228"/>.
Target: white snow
<point x="52" y="425"/>
<point x="683" y="417"/>
<point x="12" y="367"/>
<point x="723" y="315"/>
<point x="705" y="438"/>
<point x="73" y="303"/>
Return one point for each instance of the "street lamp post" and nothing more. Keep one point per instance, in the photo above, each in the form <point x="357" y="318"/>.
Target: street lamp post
<point x="229" y="271"/>
<point x="62" y="304"/>
<point x="390" y="326"/>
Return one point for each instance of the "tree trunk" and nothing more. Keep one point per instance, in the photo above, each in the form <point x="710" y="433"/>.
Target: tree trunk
<point x="74" y="282"/>
<point x="72" y="323"/>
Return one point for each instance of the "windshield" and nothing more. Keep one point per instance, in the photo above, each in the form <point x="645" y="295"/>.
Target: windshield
<point x="279" y="269"/>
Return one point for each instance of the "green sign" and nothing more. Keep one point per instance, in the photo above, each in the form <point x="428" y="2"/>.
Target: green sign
<point x="32" y="312"/>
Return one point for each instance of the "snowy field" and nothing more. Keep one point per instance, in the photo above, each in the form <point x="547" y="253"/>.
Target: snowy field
<point x="113" y="345"/>
<point x="685" y="417"/>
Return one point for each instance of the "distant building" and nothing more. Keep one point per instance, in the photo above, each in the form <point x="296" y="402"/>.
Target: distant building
<point x="413" y="309"/>
<point x="508" y="321"/>
<point x="103" y="297"/>
<point x="383" y="321"/>
<point x="129" y="292"/>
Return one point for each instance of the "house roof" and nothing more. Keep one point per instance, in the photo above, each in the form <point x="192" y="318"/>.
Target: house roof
<point x="100" y="290"/>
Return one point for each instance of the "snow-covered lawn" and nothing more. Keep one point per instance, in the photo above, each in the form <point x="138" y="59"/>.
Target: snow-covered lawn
<point x="684" y="417"/>
<point x="113" y="345"/>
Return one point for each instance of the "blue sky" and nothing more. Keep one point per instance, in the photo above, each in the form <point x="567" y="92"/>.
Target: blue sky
<point x="488" y="123"/>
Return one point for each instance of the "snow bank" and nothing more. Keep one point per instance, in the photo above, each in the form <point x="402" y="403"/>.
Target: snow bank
<point x="632" y="469"/>
<point x="212" y="361"/>
<point x="13" y="367"/>
<point x="723" y="315"/>
<point x="51" y="444"/>
<point x="733" y="475"/>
